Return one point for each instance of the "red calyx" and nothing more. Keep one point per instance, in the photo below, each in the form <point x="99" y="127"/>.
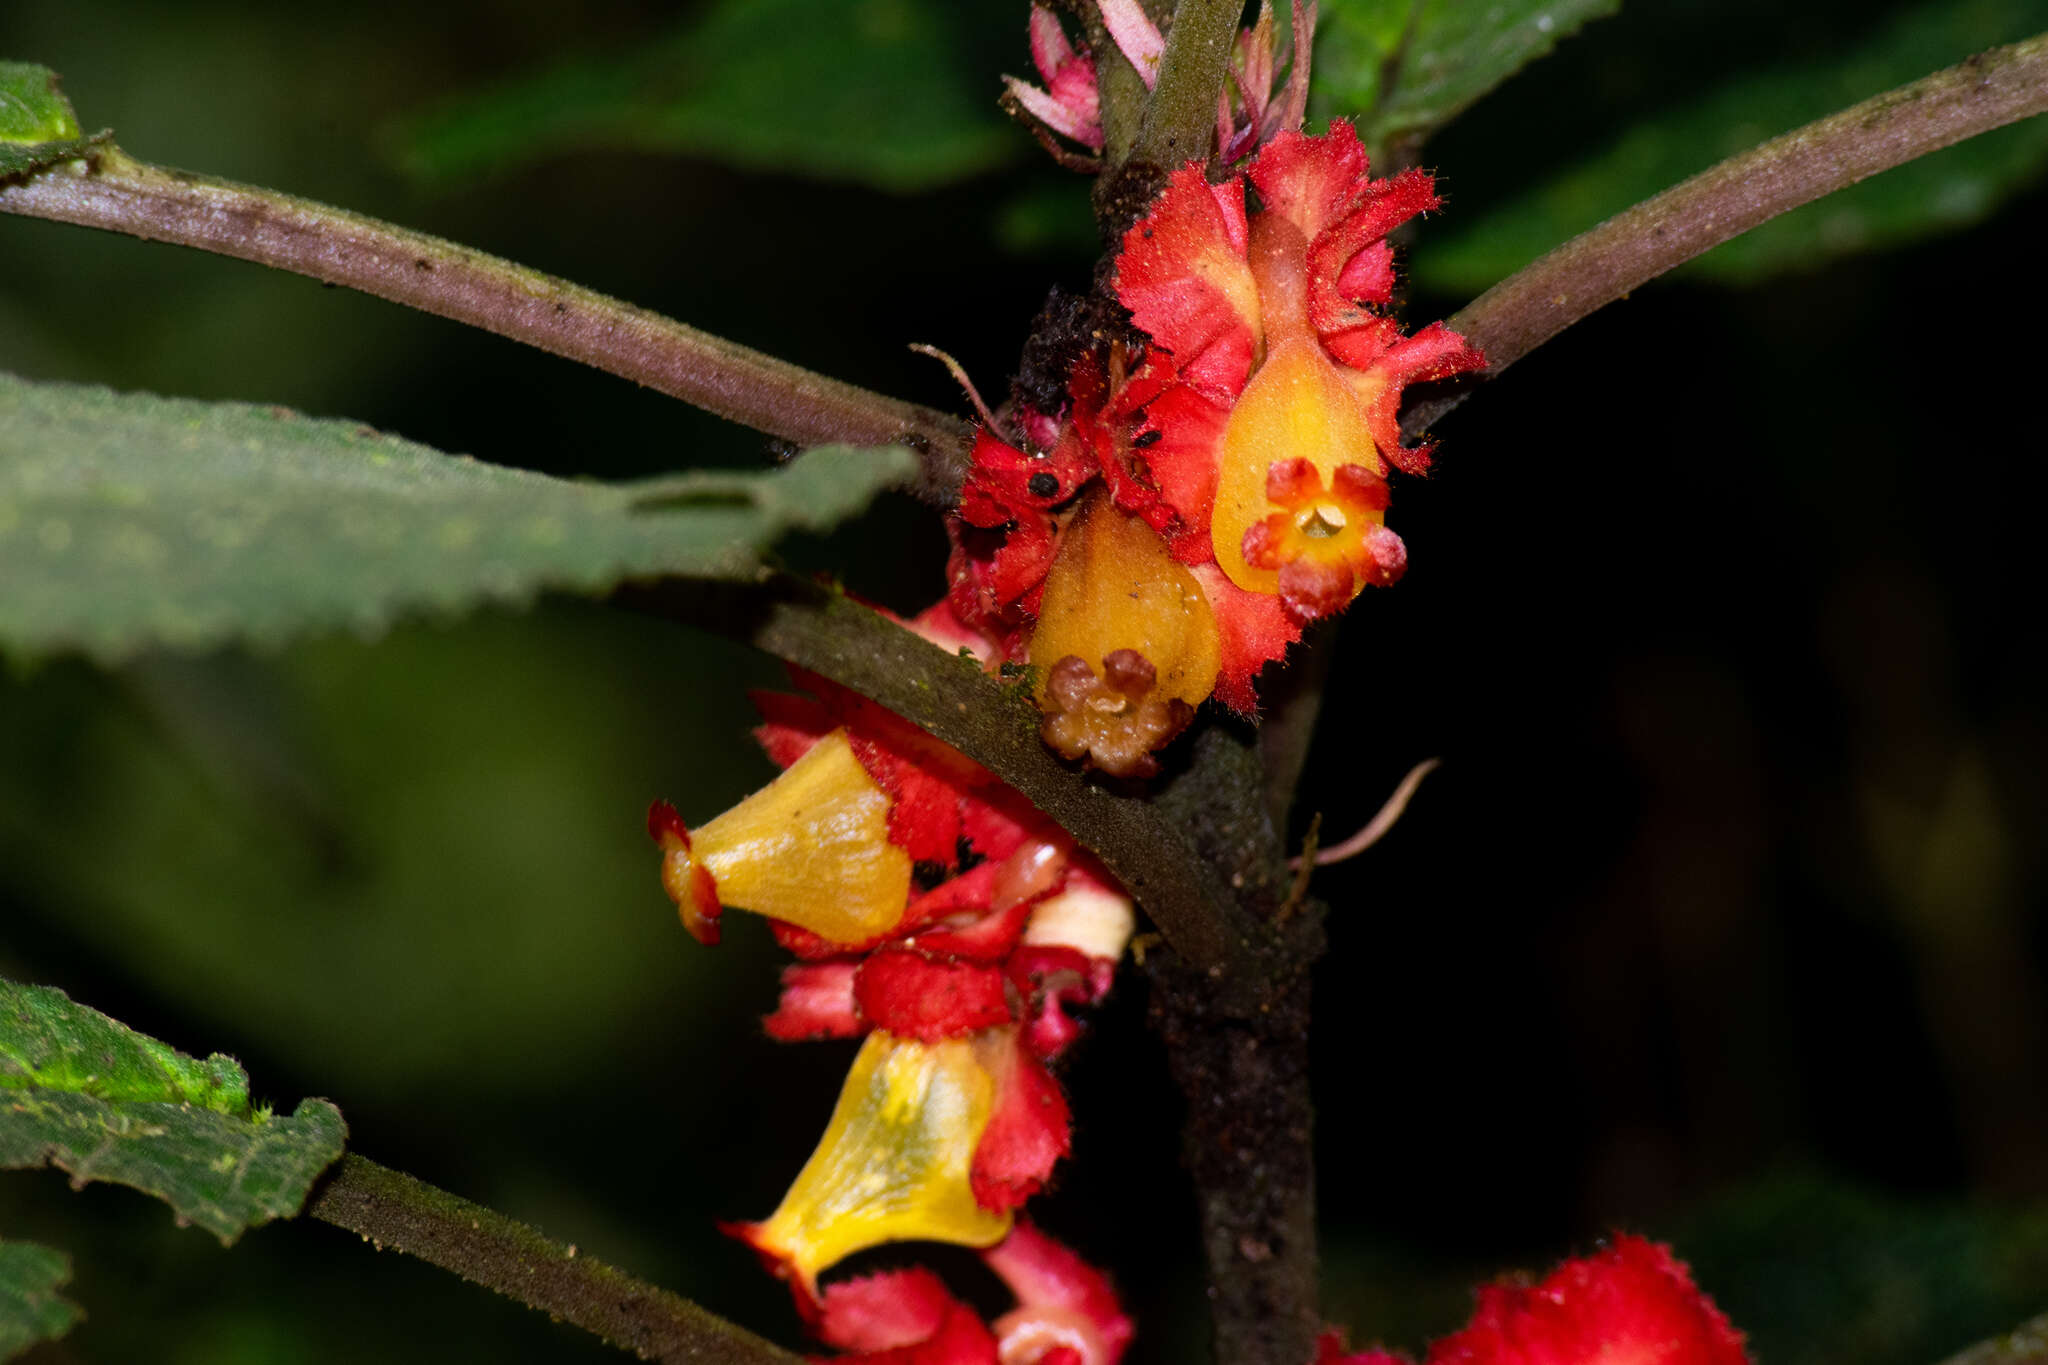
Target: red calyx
<point x="913" y="996"/>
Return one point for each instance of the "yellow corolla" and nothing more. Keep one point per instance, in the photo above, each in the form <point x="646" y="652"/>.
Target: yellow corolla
<point x="895" y="1160"/>
<point x="811" y="848"/>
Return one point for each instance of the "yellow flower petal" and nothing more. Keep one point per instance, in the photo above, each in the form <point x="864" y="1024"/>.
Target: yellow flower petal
<point x="812" y="848"/>
<point x="1298" y="405"/>
<point x="893" y="1164"/>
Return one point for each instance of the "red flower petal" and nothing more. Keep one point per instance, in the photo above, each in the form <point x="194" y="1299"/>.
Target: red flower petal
<point x="1349" y="261"/>
<point x="914" y="996"/>
<point x="1050" y="977"/>
<point x="1183" y="275"/>
<point x="1310" y="180"/>
<point x="1435" y="352"/>
<point x="1059" y="1296"/>
<point x="817" y="1002"/>
<point x="1252" y="630"/>
<point x="880" y="1312"/>
<point x="1028" y="1132"/>
<point x="961" y="1339"/>
<point x="1632" y="1303"/>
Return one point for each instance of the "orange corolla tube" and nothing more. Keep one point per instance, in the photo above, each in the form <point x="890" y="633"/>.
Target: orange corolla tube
<point x="894" y="1163"/>
<point x="811" y="848"/>
<point x="1299" y="426"/>
<point x="1126" y="644"/>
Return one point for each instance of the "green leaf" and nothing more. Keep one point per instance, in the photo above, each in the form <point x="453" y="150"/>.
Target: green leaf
<point x="50" y="1043"/>
<point x="92" y="1097"/>
<point x="128" y="520"/>
<point x="31" y="1309"/>
<point x="37" y="127"/>
<point x="1938" y="193"/>
<point x="32" y="109"/>
<point x="875" y="91"/>
<point x="1404" y="68"/>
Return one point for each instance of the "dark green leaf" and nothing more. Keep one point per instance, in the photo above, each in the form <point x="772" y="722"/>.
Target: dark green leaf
<point x="31" y="1309"/>
<point x="128" y="520"/>
<point x="37" y="127"/>
<point x="92" y="1097"/>
<point x="1822" y="1273"/>
<point x="1404" y="68"/>
<point x="1948" y="190"/>
<point x="868" y="90"/>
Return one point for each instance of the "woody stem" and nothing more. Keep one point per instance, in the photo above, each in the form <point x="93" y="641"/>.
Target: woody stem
<point x="120" y="194"/>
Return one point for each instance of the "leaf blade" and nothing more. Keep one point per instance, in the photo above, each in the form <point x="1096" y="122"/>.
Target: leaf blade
<point x="37" y="127"/>
<point x="866" y="90"/>
<point x="128" y="521"/>
<point x="1405" y="68"/>
<point x="31" y="1309"/>
<point x="91" y="1097"/>
<point x="1932" y="194"/>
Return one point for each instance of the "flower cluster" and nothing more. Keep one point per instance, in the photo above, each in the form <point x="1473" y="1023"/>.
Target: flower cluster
<point x="1253" y="107"/>
<point x="1066" y="1313"/>
<point x="1631" y="1303"/>
<point x="1218" y="478"/>
<point x="936" y="914"/>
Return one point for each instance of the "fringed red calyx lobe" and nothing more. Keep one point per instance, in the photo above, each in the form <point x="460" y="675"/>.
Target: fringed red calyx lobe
<point x="1249" y="424"/>
<point x="1066" y="1313"/>
<point x="1630" y="1303"/>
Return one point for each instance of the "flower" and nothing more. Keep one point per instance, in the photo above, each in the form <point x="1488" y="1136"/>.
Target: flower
<point x="1249" y="112"/>
<point x="1630" y="1303"/>
<point x="1066" y="1313"/>
<point x="938" y="915"/>
<point x="1218" y="477"/>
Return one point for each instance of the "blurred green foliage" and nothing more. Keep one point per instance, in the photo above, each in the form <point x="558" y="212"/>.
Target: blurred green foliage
<point x="1404" y="68"/>
<point x="31" y="1309"/>
<point x="878" y="91"/>
<point x="128" y="520"/>
<point x="1940" y="193"/>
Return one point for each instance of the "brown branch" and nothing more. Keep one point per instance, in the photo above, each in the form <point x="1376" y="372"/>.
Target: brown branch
<point x="395" y="1211"/>
<point x="120" y="194"/>
<point x="1594" y="269"/>
<point x="996" y="726"/>
<point x="2026" y="1344"/>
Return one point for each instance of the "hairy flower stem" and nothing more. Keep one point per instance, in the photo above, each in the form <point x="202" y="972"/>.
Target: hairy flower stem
<point x="1594" y="269"/>
<point x="395" y="1211"/>
<point x="120" y="194"/>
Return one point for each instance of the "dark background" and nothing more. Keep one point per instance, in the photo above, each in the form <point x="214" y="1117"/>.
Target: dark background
<point x="1722" y="920"/>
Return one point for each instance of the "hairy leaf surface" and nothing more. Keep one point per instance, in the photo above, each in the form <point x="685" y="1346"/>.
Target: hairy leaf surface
<point x="877" y="91"/>
<point x="94" y="1098"/>
<point x="1948" y="190"/>
<point x="1403" y="68"/>
<point x="37" y="127"/>
<point x="31" y="1309"/>
<point x="128" y="520"/>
